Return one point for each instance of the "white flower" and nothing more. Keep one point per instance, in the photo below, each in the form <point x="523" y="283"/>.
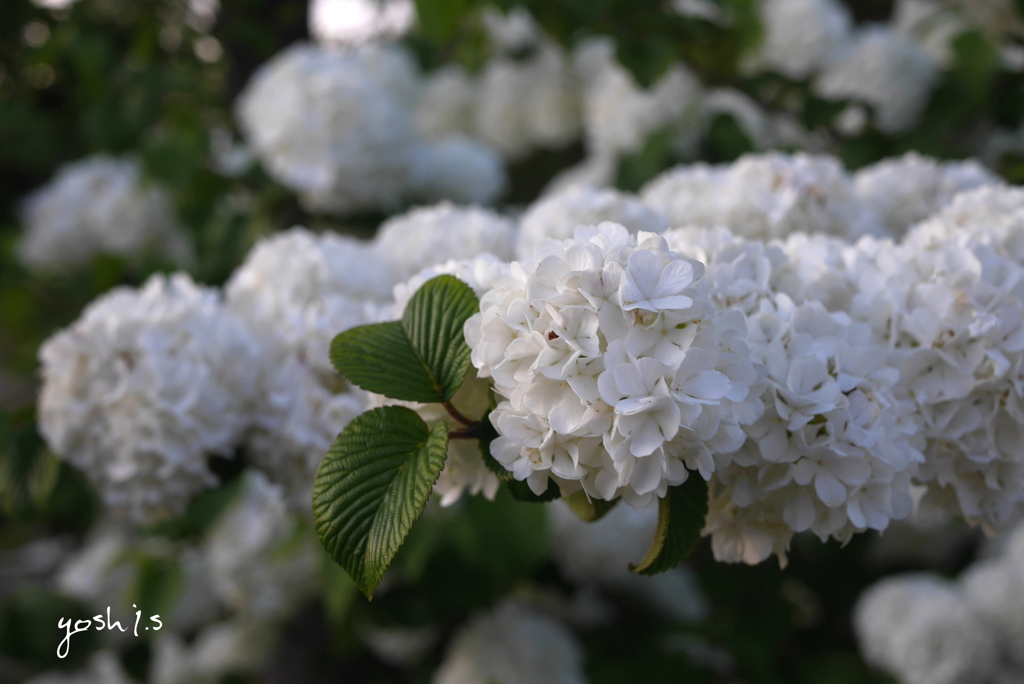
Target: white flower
<point x="447" y="105"/>
<point x="143" y="387"/>
<point x="616" y="373"/>
<point x="992" y="215"/>
<point x="910" y="188"/>
<point x="524" y="105"/>
<point x="512" y="645"/>
<point x="334" y="126"/>
<point x="297" y="291"/>
<point x="800" y="35"/>
<point x="426" y="236"/>
<point x="922" y="630"/>
<point x="618" y="115"/>
<point x="556" y="215"/>
<point x="99" y="205"/>
<point x="885" y="70"/>
<point x="351" y="22"/>
<point x="457" y="168"/>
<point x="262" y="562"/>
<point x="763" y="197"/>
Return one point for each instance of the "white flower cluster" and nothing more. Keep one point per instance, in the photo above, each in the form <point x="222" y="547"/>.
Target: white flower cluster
<point x="764" y="196"/>
<point x="335" y="126"/>
<point x="834" y="450"/>
<point x="260" y="564"/>
<point x="513" y="645"/>
<point x="800" y="36"/>
<point x="297" y="290"/>
<point x="924" y="629"/>
<point x="143" y="387"/>
<point x="557" y="215"/>
<point x="616" y="373"/>
<point x="99" y="205"/>
<point x="908" y="189"/>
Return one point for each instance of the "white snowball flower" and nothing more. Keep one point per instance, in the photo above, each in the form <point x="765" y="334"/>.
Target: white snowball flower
<point x="426" y="236"/>
<point x="457" y="168"/>
<point x="617" y="375"/>
<point x="464" y="469"/>
<point x="447" y="105"/>
<point x="299" y="290"/>
<point x="556" y="215"/>
<point x="908" y="189"/>
<point x="953" y="313"/>
<point x="922" y="630"/>
<point x="512" y="645"/>
<point x="350" y="22"/>
<point x="995" y="589"/>
<point x="800" y="35"/>
<point x="524" y="105"/>
<point x="764" y="196"/>
<point x="262" y="563"/>
<point x="885" y="70"/>
<point x="334" y="126"/>
<point x="143" y="387"/>
<point x="618" y="115"/>
<point x="99" y="205"/>
<point x="931" y="25"/>
<point x="992" y="215"/>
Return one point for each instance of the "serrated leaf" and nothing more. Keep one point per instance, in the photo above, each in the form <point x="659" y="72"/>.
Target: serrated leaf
<point x="587" y="509"/>
<point x="681" y="515"/>
<point x="423" y="357"/>
<point x="372" y="486"/>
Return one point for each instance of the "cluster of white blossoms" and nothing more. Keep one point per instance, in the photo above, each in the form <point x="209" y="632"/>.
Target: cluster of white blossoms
<point x="927" y="630"/>
<point x="99" y="205"/>
<point x="514" y="645"/>
<point x="616" y="373"/>
<point x="834" y="450"/>
<point x="557" y="215"/>
<point x="144" y="387"/>
<point x="764" y="196"/>
<point x="335" y="126"/>
<point x="909" y="189"/>
<point x="297" y="290"/>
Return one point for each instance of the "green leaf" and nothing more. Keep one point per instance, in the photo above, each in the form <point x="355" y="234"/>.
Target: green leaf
<point x="587" y="509"/>
<point x="680" y="520"/>
<point x="372" y="486"/>
<point x="423" y="357"/>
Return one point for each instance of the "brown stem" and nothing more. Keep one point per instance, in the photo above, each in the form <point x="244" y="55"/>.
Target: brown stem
<point x="454" y="413"/>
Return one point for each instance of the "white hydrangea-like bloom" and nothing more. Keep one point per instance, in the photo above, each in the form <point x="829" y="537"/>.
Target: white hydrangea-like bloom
<point x="512" y="645"/>
<point x="426" y="236"/>
<point x="834" y="451"/>
<point x="992" y="215"/>
<point x="524" y="105"/>
<point x="298" y="290"/>
<point x="351" y="22"/>
<point x="447" y="105"/>
<point x="99" y="205"/>
<point x="800" y="35"/>
<point x="457" y="168"/>
<point x="887" y="71"/>
<point x="143" y="387"/>
<point x="908" y="189"/>
<point x="931" y="25"/>
<point x="921" y="629"/>
<point x="334" y="126"/>
<point x="464" y="469"/>
<point x="618" y="115"/>
<point x="953" y="313"/>
<point x="616" y="374"/>
<point x="510" y="31"/>
<point x="301" y="289"/>
<point x="557" y="215"/>
<point x="598" y="552"/>
<point x="764" y="196"/>
<point x="995" y="589"/>
<point x="244" y="551"/>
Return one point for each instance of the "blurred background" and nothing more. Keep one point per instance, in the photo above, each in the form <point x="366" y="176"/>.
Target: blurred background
<point x="173" y="105"/>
